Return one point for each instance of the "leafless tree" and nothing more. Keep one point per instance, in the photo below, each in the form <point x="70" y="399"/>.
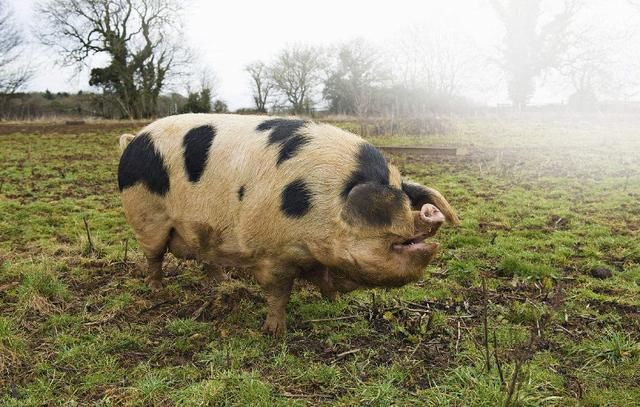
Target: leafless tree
<point x="13" y="74"/>
<point x="588" y="66"/>
<point x="358" y="73"/>
<point x="140" y="37"/>
<point x="431" y="64"/>
<point x="431" y="61"/>
<point x="602" y="61"/>
<point x="261" y="84"/>
<point x="532" y="43"/>
<point x="296" y="75"/>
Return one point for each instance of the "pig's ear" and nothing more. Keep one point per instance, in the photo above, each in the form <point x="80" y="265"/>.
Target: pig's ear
<point x="373" y="204"/>
<point x="420" y="195"/>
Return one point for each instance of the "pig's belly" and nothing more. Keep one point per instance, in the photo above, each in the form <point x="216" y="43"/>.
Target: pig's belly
<point x="213" y="240"/>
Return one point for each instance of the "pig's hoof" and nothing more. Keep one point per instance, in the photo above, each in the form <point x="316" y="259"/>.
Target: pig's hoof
<point x="329" y="295"/>
<point x="154" y="285"/>
<point x="139" y="270"/>
<point x="219" y="277"/>
<point x="275" y="326"/>
<point x="215" y="274"/>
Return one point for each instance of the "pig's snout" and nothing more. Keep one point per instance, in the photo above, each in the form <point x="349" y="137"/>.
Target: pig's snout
<point x="428" y="220"/>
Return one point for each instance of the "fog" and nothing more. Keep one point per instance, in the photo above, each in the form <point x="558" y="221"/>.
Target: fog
<point x="177" y="174"/>
<point x="601" y="45"/>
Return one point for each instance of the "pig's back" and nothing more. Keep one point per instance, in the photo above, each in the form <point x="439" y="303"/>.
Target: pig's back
<point x="260" y="182"/>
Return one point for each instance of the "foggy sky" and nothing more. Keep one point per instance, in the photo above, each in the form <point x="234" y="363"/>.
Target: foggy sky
<point x="228" y="35"/>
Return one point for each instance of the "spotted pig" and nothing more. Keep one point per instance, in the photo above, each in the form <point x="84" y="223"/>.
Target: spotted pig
<point x="286" y="197"/>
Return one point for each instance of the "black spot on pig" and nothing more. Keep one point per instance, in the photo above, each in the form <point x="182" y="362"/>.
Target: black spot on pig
<point x="197" y="143"/>
<point x="241" y="193"/>
<point x="290" y="147"/>
<point x="282" y="128"/>
<point x="285" y="133"/>
<point x="141" y="162"/>
<point x="373" y="204"/>
<point x="296" y="199"/>
<point x="371" y="167"/>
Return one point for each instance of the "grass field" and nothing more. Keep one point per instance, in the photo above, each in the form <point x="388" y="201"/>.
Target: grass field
<point x="550" y="209"/>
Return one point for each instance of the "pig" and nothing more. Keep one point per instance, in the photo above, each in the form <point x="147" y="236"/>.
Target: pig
<point x="285" y="197"/>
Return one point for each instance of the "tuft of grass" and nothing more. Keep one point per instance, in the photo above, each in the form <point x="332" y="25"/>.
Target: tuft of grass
<point x="152" y="389"/>
<point x="613" y="347"/>
<point x="525" y="313"/>
<point x="604" y="397"/>
<point x="12" y="344"/>
<point x="204" y="393"/>
<point x="91" y="248"/>
<point x="471" y="384"/>
<point x="463" y="271"/>
<point x="235" y="353"/>
<point x="383" y="393"/>
<point x="189" y="335"/>
<point x="229" y="388"/>
<point x="512" y="266"/>
<point x="40" y="289"/>
<point x="186" y="327"/>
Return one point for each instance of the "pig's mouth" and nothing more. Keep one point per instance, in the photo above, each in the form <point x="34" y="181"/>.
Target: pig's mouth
<point x="414" y="244"/>
<point x="426" y="222"/>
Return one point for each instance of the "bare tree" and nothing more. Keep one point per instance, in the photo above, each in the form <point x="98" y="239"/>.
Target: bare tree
<point x="585" y="72"/>
<point x="355" y="78"/>
<point x="587" y="68"/>
<point x="531" y="44"/>
<point x="261" y="84"/>
<point x="601" y="62"/>
<point x="13" y="75"/>
<point x="296" y="74"/>
<point x="430" y="64"/>
<point x="140" y="37"/>
<point x="431" y="59"/>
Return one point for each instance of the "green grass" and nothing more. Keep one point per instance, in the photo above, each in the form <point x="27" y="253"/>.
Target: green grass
<point x="544" y="200"/>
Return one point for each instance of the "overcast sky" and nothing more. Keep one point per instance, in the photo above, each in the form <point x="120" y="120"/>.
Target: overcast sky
<point x="227" y="35"/>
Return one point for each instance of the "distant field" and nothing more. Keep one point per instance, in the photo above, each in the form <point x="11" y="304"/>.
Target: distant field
<point x="550" y="209"/>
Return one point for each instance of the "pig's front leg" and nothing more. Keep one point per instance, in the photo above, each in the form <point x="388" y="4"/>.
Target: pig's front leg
<point x="319" y="276"/>
<point x="276" y="281"/>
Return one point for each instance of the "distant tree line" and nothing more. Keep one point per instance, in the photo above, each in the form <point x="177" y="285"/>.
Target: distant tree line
<point x="354" y="78"/>
<point x="24" y="106"/>
<point x="425" y="73"/>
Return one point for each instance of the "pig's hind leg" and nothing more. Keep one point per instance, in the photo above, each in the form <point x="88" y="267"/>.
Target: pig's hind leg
<point x="154" y="273"/>
<point x="154" y="251"/>
<point x="319" y="276"/>
<point x="154" y="247"/>
<point x="154" y="238"/>
<point x="276" y="281"/>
